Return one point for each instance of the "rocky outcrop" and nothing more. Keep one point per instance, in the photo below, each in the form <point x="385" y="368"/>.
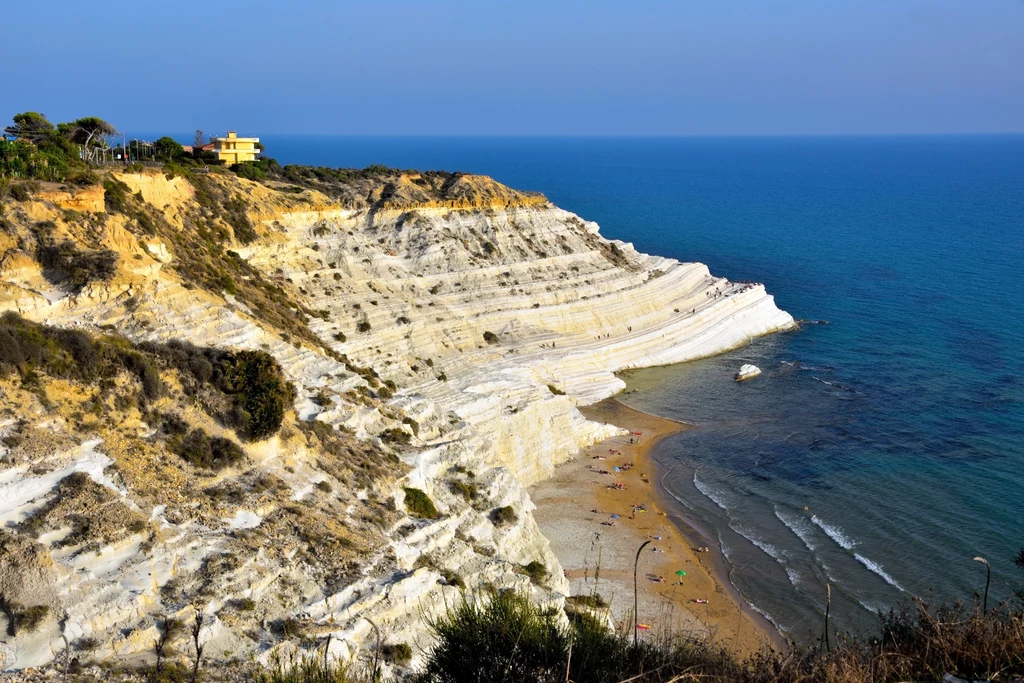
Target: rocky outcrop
<point x="446" y="319"/>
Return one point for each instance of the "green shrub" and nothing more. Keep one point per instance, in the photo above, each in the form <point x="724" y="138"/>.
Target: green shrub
<point x="249" y="170"/>
<point x="453" y="579"/>
<point x="397" y="653"/>
<point x="244" y="604"/>
<point x="508" y="639"/>
<point x="504" y="515"/>
<point x="593" y="601"/>
<point x="263" y="391"/>
<point x="466" y="490"/>
<point x="395" y="436"/>
<point x="66" y="262"/>
<point x="419" y="504"/>
<point x="84" y="179"/>
<point x="237" y="217"/>
<point x="555" y="390"/>
<point x="537" y="572"/>
<point x="491" y="338"/>
<point x="363" y="326"/>
<point x="26" y="619"/>
<point x="212" y="453"/>
<point x="116" y="196"/>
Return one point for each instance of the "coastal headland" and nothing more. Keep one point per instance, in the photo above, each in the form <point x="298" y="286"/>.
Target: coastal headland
<point x="432" y="338"/>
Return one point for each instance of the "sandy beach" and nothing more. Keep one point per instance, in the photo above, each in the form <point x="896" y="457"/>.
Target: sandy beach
<point x="575" y="511"/>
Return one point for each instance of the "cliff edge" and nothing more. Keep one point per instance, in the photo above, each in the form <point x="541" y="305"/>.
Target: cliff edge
<point x="438" y="332"/>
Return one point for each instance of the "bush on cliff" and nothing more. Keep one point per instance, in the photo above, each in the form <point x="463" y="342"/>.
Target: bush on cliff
<point x="504" y="515"/>
<point x="65" y="262"/>
<point x="245" y="390"/>
<point x="510" y="639"/>
<point x="258" y="391"/>
<point x="419" y="504"/>
<point x="212" y="453"/>
<point x="71" y="354"/>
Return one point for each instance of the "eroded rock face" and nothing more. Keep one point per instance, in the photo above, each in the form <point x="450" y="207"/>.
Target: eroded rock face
<point x="486" y="317"/>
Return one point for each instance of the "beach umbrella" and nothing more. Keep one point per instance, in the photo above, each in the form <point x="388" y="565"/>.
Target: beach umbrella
<point x="680" y="573"/>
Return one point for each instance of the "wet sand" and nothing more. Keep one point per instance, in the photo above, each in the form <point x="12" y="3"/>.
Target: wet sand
<point x="598" y="551"/>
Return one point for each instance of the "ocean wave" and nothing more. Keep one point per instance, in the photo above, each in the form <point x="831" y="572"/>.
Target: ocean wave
<point x="799" y="526"/>
<point x="711" y="493"/>
<point x="874" y="608"/>
<point x="679" y="499"/>
<point x="835" y="533"/>
<point x="794" y="576"/>
<point x="760" y="543"/>
<point x="877" y="569"/>
<point x="767" y="616"/>
<point x="835" y="385"/>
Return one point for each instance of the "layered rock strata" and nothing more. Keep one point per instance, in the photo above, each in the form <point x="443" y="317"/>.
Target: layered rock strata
<point x="486" y="315"/>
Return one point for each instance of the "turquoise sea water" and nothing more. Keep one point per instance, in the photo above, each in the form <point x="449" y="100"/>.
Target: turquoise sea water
<point x="900" y="423"/>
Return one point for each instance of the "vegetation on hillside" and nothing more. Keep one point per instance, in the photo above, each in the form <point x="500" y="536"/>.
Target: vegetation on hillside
<point x="40" y="150"/>
<point x="508" y="639"/>
<point x="203" y="256"/>
<point x="244" y="390"/>
<point x="380" y="187"/>
<point x="44" y="151"/>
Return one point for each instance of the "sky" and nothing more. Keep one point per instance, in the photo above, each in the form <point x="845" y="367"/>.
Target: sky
<point x="521" y="67"/>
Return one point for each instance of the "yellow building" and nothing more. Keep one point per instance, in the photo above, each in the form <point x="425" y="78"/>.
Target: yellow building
<point x="233" y="149"/>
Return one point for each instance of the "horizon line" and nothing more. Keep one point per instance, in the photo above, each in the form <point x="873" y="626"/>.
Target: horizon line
<point x="624" y="135"/>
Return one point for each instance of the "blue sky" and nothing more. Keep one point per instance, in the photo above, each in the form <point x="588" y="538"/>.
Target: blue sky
<point x="649" y="67"/>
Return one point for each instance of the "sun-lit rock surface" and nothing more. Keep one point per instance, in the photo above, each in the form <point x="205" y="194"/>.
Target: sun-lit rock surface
<point x="492" y="313"/>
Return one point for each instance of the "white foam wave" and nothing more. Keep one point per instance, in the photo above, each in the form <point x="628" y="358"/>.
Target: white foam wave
<point x="681" y="501"/>
<point x="767" y="616"/>
<point x="835" y="533"/>
<point x="874" y="608"/>
<point x="799" y="526"/>
<point x="794" y="575"/>
<point x="764" y="546"/>
<point x="877" y="569"/>
<point x="711" y="493"/>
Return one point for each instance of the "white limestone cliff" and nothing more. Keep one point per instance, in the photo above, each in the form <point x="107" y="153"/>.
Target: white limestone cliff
<point x="494" y="322"/>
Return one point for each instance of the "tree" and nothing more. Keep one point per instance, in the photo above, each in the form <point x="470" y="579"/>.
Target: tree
<point x="198" y="141"/>
<point x="31" y="126"/>
<point x="88" y="132"/>
<point x="167" y="148"/>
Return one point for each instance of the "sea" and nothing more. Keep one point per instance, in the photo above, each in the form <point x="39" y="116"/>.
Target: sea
<point x="882" y="449"/>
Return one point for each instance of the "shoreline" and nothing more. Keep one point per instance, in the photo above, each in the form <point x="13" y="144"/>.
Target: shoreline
<point x="574" y="510"/>
<point x="715" y="561"/>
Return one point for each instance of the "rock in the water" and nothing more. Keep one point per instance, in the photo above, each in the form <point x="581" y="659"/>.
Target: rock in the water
<point x="747" y="371"/>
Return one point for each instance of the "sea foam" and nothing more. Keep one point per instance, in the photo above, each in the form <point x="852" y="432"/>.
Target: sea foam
<point x="799" y="526"/>
<point x="877" y="569"/>
<point x="835" y="533"/>
<point x="764" y="546"/>
<point x="711" y="493"/>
